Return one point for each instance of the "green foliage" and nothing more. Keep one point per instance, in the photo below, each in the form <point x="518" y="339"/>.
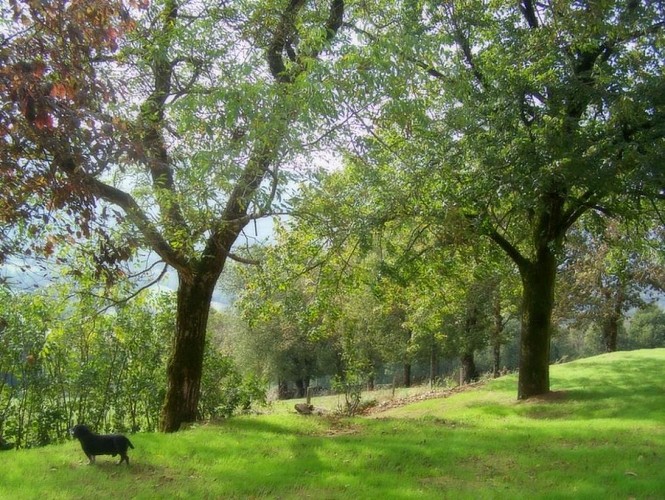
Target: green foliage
<point x="224" y="389"/>
<point x="646" y="328"/>
<point x="63" y="363"/>
<point x="513" y="121"/>
<point x="350" y="383"/>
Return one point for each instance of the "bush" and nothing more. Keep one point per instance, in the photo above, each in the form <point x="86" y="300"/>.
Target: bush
<point x="57" y="369"/>
<point x="224" y="390"/>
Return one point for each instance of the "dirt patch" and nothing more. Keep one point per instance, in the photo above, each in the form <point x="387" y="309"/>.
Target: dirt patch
<point x="340" y="427"/>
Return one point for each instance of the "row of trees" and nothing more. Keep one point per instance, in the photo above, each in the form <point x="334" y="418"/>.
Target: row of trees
<point x="527" y="121"/>
<point x="376" y="305"/>
<point x="350" y="323"/>
<point x="464" y="129"/>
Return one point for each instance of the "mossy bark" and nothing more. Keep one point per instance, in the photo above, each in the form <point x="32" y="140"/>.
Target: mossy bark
<point x="538" y="280"/>
<point x="185" y="366"/>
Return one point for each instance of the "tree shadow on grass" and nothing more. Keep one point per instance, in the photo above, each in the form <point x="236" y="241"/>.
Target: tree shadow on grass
<point x="627" y="389"/>
<point x="289" y="458"/>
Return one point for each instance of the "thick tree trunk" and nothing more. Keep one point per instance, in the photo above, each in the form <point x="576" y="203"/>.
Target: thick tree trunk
<point x="538" y="279"/>
<point x="610" y="334"/>
<point x="469" y="371"/>
<point x="185" y="366"/>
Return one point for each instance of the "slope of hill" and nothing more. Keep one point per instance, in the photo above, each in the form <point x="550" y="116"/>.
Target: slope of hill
<point x="600" y="434"/>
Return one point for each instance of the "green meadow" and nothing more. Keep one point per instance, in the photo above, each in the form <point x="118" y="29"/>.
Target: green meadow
<point x="600" y="434"/>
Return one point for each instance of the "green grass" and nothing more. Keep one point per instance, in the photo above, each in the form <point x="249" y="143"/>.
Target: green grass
<point x="600" y="435"/>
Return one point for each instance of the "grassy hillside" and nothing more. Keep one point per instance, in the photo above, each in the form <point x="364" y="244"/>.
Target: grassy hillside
<point x="601" y="434"/>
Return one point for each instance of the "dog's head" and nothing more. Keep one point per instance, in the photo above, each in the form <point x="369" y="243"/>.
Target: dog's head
<point x="79" y="431"/>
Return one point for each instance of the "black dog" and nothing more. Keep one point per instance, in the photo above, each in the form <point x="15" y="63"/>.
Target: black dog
<point x="96" y="444"/>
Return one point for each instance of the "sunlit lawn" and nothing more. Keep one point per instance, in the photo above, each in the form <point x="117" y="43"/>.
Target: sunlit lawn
<point x="600" y="435"/>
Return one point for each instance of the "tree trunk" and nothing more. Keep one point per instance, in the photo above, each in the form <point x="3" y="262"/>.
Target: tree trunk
<point x="407" y="374"/>
<point x="497" y="330"/>
<point x="496" y="360"/>
<point x="469" y="371"/>
<point x="407" y="359"/>
<point x="301" y="387"/>
<point x="282" y="389"/>
<point x="433" y="364"/>
<point x="185" y="366"/>
<point x="538" y="280"/>
<point x="611" y="323"/>
<point x="610" y="334"/>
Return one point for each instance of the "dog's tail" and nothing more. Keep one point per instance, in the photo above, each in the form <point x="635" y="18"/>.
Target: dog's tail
<point x="130" y="444"/>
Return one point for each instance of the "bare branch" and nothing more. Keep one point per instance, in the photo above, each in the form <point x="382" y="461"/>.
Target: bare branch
<point x="244" y="260"/>
<point x="124" y="300"/>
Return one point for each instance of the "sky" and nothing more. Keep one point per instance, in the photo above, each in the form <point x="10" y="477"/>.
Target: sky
<point x="28" y="274"/>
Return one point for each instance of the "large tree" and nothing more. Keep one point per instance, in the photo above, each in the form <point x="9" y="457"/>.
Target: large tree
<point x="167" y="119"/>
<point x="523" y="116"/>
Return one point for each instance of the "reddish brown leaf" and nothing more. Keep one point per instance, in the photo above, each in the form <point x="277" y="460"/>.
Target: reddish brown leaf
<point x="62" y="91"/>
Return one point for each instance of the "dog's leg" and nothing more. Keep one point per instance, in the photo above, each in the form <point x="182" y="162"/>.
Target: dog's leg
<point x="125" y="458"/>
<point x="91" y="459"/>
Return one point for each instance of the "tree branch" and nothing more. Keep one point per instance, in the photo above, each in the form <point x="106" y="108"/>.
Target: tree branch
<point x="244" y="260"/>
<point x="124" y="300"/>
<point x="283" y="33"/>
<point x="529" y="11"/>
<point x="429" y="69"/>
<point x="151" y="124"/>
<point x="577" y="210"/>
<point x="265" y="150"/>
<point x="512" y="252"/>
<point x="462" y="41"/>
<point x="130" y="207"/>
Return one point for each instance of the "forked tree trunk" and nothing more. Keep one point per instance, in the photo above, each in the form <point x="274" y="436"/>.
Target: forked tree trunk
<point x="185" y="365"/>
<point x="538" y="279"/>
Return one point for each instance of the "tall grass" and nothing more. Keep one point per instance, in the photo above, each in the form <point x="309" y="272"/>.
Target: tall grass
<point x="601" y="434"/>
